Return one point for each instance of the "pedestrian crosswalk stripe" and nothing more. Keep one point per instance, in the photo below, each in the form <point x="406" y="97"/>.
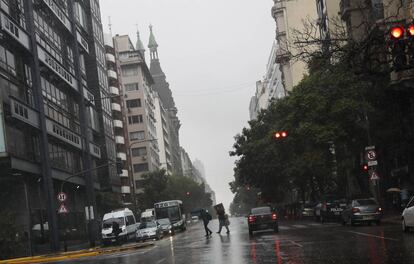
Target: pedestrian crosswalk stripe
<point x="299" y="226"/>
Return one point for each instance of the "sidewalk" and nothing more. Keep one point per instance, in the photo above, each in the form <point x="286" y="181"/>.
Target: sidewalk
<point x="76" y="254"/>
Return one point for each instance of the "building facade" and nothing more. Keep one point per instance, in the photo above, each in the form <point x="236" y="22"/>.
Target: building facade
<point x="289" y="16"/>
<point x="162" y="87"/>
<point x="140" y="118"/>
<point x="269" y="88"/>
<point x="56" y="125"/>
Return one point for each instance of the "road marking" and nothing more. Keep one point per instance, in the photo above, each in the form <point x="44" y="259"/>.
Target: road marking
<point x="161" y="260"/>
<point x="296" y="244"/>
<point x="369" y="235"/>
<point x="284" y="227"/>
<point x="299" y="226"/>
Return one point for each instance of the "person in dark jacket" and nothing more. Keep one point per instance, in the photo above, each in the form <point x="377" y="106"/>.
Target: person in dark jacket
<point x="206" y="217"/>
<point x="221" y="214"/>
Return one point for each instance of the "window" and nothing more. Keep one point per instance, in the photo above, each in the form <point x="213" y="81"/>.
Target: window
<point x="135" y="119"/>
<point x="133" y="103"/>
<point x="138" y="152"/>
<point x="138" y="135"/>
<point x="131" y="87"/>
<point x="411" y="203"/>
<point x="141" y="167"/>
<point x="129" y="71"/>
<point x="130" y="220"/>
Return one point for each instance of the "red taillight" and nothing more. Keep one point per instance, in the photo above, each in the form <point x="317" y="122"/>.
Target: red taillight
<point x="274" y="216"/>
<point x="397" y="32"/>
<point x="252" y="219"/>
<point x="355" y="210"/>
<point x="379" y="210"/>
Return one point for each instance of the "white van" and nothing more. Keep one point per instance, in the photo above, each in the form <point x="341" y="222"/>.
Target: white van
<point x="126" y="221"/>
<point x="148" y="215"/>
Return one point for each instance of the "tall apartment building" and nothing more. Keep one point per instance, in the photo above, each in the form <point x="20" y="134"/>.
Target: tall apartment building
<point x="118" y="114"/>
<point x="55" y="121"/>
<point x="139" y="99"/>
<point x="162" y="87"/>
<point x="328" y="18"/>
<point x="269" y="88"/>
<point x="289" y="16"/>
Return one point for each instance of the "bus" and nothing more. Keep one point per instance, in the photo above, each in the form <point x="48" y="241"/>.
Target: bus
<point x="172" y="210"/>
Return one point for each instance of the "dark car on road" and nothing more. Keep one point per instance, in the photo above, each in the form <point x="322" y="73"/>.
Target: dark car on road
<point x="166" y="226"/>
<point x="330" y="209"/>
<point x="262" y="218"/>
<point x="362" y="210"/>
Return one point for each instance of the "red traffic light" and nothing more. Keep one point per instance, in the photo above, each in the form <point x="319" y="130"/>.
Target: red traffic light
<point x="277" y="135"/>
<point x="365" y="167"/>
<point x="397" y="32"/>
<point x="280" y="134"/>
<point x="284" y="134"/>
<point x="410" y="30"/>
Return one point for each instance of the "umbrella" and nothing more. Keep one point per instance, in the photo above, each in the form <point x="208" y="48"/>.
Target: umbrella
<point x="394" y="189"/>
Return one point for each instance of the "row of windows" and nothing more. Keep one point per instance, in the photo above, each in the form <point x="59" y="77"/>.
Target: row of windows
<point x="95" y="9"/>
<point x="16" y="11"/>
<point x="61" y="118"/>
<point x="133" y="103"/>
<point x="80" y="16"/>
<point x="142" y="167"/>
<point x="97" y="31"/>
<point x="59" y="98"/>
<point x="135" y="119"/>
<point x="137" y="135"/>
<point x="110" y="149"/>
<point x="108" y="126"/>
<point x="131" y="87"/>
<point x="64" y="159"/>
<point x="7" y="60"/>
<point x="129" y="71"/>
<point x="48" y="37"/>
<point x="103" y="78"/>
<point x="100" y="54"/>
<point x="139" y="152"/>
<point x="23" y="143"/>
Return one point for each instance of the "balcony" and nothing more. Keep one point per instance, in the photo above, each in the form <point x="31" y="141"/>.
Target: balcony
<point x="110" y="57"/>
<point x="121" y="155"/>
<point x="112" y="74"/>
<point x="125" y="189"/>
<point x="124" y="173"/>
<point x="15" y="31"/>
<point x="116" y="107"/>
<point x="82" y="41"/>
<point x="119" y="140"/>
<point x="24" y="113"/>
<point x="60" y="14"/>
<point x="94" y="150"/>
<point x="114" y="90"/>
<point x="118" y="124"/>
<point x="63" y="134"/>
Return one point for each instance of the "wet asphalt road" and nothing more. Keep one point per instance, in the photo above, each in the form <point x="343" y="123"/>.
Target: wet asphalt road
<point x="297" y="242"/>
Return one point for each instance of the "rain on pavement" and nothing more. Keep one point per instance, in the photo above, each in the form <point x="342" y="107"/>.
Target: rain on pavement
<point x="297" y="242"/>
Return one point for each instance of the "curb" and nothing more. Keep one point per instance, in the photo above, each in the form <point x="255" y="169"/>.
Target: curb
<point x="74" y="254"/>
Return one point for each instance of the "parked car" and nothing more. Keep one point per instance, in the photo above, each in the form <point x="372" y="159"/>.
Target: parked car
<point x="126" y="222"/>
<point x="166" y="226"/>
<point x="308" y="210"/>
<point x="194" y="219"/>
<point x="262" y="218"/>
<point x="149" y="230"/>
<point x="408" y="216"/>
<point x="329" y="209"/>
<point x="362" y="210"/>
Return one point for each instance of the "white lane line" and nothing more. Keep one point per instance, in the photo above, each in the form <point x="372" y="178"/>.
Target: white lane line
<point x="299" y="226"/>
<point x="295" y="243"/>
<point x="369" y="235"/>
<point x="314" y="224"/>
<point x="161" y="260"/>
<point x="284" y="227"/>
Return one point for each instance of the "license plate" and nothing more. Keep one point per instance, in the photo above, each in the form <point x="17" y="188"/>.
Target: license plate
<point x="337" y="213"/>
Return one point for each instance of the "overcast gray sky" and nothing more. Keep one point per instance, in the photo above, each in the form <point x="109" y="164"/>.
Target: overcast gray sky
<point x="213" y="52"/>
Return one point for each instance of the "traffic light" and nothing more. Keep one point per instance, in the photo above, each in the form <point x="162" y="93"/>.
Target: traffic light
<point x="410" y="44"/>
<point x="398" y="47"/>
<point x="188" y="193"/>
<point x="280" y="134"/>
<point x="365" y="168"/>
<point x="119" y="166"/>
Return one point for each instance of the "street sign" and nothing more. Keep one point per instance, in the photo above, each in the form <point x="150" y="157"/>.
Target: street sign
<point x="370" y="155"/>
<point x="373" y="176"/>
<point x="372" y="163"/>
<point x="62" y="197"/>
<point x="369" y="147"/>
<point x="62" y="209"/>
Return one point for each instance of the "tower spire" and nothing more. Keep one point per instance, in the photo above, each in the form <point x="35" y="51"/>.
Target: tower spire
<point x="153" y="45"/>
<point x="139" y="46"/>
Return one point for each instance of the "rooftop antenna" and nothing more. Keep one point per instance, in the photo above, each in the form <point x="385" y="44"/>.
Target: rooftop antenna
<point x="110" y="25"/>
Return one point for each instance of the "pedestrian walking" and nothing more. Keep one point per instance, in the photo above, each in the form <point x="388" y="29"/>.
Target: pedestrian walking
<point x="222" y="217"/>
<point x="206" y="217"/>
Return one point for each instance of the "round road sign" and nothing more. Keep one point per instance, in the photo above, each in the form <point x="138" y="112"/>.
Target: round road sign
<point x="371" y="155"/>
<point x="62" y="197"/>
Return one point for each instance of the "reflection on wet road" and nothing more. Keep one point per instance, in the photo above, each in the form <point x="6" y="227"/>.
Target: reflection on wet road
<point x="297" y="242"/>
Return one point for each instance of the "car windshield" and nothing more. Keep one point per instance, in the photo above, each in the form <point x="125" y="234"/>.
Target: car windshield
<point x="147" y="225"/>
<point x="261" y="210"/>
<point x="109" y="222"/>
<point x="363" y="202"/>
<point x="164" y="221"/>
